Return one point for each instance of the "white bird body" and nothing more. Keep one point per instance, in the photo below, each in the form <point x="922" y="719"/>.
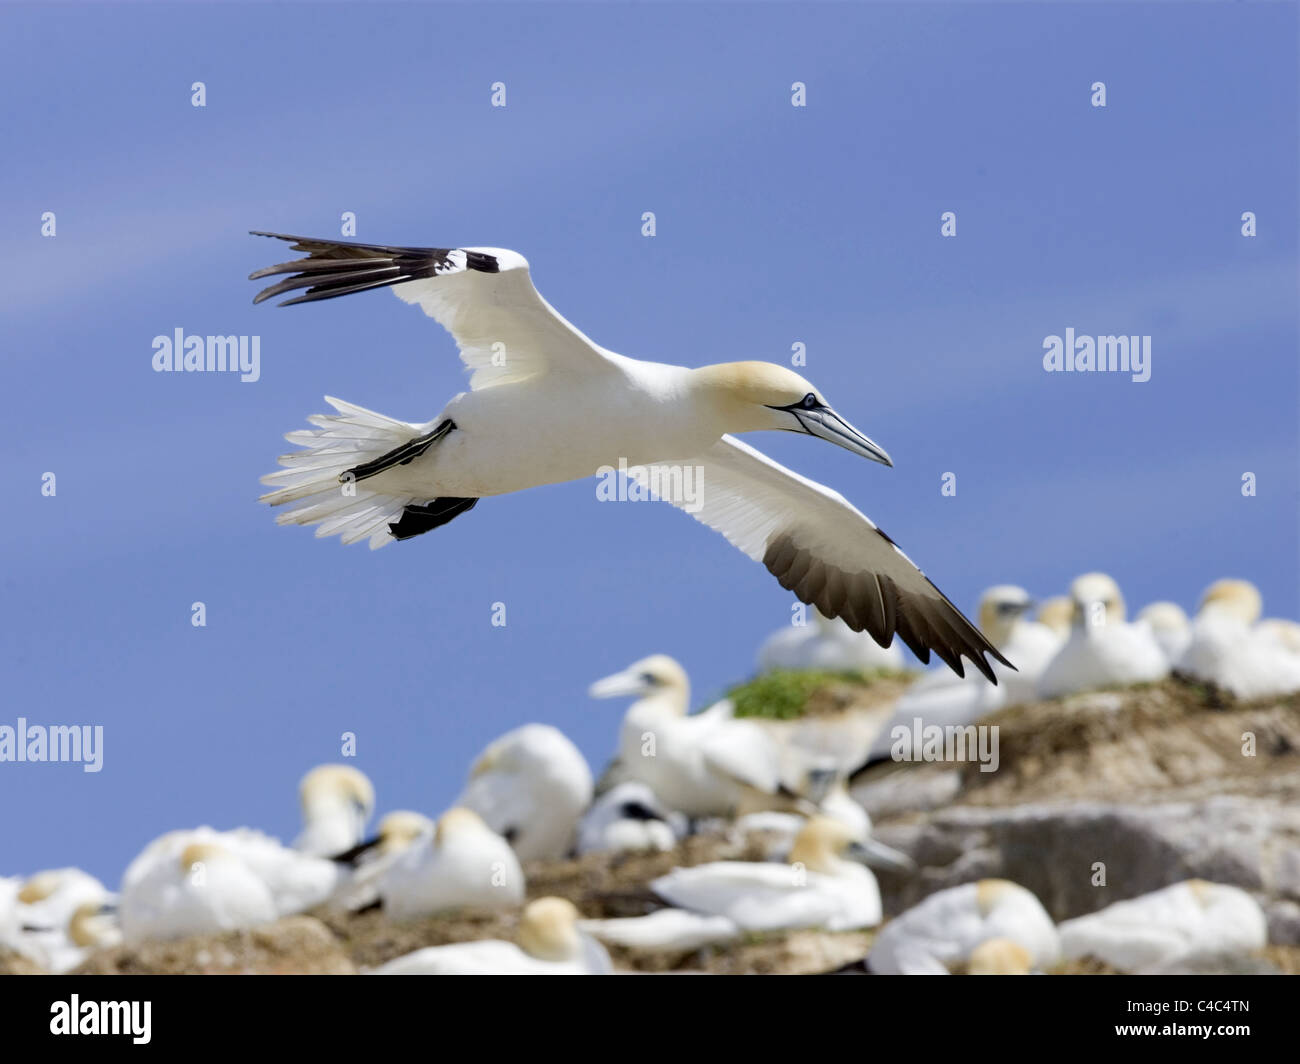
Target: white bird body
<point x="546" y="405"/>
<point x="629" y="818"/>
<point x="337" y="800"/>
<point x="664" y="929"/>
<point x="941" y="932"/>
<point x="826" y="644"/>
<point x="1189" y="919"/>
<point x="1170" y="628"/>
<point x="1102" y="649"/>
<point x="463" y="864"/>
<point x="162" y="896"/>
<point x="1228" y="648"/>
<point x="200" y="888"/>
<point x="550" y="943"/>
<point x="708" y="764"/>
<point x="531" y="786"/>
<point x="818" y="888"/>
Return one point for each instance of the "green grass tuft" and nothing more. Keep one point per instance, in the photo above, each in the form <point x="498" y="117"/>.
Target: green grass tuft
<point x="783" y="693"/>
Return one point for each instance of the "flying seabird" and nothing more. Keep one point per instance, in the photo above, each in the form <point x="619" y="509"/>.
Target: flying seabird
<point x="546" y="405"/>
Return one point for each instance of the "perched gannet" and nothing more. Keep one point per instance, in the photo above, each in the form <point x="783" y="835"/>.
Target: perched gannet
<point x="49" y="898"/>
<point x="629" y="818"/>
<point x="1056" y="613"/>
<point x="204" y="889"/>
<point x="550" y="943"/>
<point x="366" y="476"/>
<point x="531" y="787"/>
<point x="708" y="764"/>
<point x="369" y="860"/>
<point x="819" y="887"/>
<point x="942" y="700"/>
<point x="1169" y="625"/>
<point x="167" y="873"/>
<point x="825" y="644"/>
<point x="92" y="926"/>
<point x="1187" y="920"/>
<point x="1228" y="650"/>
<point x="337" y="801"/>
<point x="463" y="864"/>
<point x="943" y="931"/>
<point x="664" y="929"/>
<point x="1102" y="650"/>
<point x="838" y="804"/>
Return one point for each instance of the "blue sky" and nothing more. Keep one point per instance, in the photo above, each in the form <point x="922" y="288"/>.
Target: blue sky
<point x="775" y="224"/>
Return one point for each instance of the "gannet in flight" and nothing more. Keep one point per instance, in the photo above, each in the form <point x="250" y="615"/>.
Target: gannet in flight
<point x="943" y="932"/>
<point x="337" y="800"/>
<point x="546" y="405"/>
<point x="1102" y="650"/>
<point x="531" y="786"/>
<point x="550" y="943"/>
<point x="1189" y="919"/>
<point x="1229" y="649"/>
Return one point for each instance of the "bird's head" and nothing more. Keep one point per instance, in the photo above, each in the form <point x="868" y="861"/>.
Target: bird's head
<point x="750" y="396"/>
<point x="329" y="787"/>
<point x="1000" y="608"/>
<point x="1097" y="601"/>
<point x="548" y="930"/>
<point x="1235" y="598"/>
<point x="657" y="675"/>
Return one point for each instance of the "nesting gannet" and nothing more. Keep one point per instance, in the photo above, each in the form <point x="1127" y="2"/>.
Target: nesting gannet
<point x="203" y="889"/>
<point x="397" y="831"/>
<point x="941" y="699"/>
<point x="167" y="874"/>
<point x="1000" y="956"/>
<point x="942" y="932"/>
<point x="1102" y="650"/>
<point x="664" y="929"/>
<point x="337" y="800"/>
<point x="821" y="886"/>
<point x="629" y="818"/>
<point x="54" y="916"/>
<point x="531" y="786"/>
<point x="550" y="943"/>
<point x="1187" y="920"/>
<point x="546" y="405"/>
<point x="708" y="764"/>
<point x="825" y="644"/>
<point x="1169" y="625"/>
<point x="1227" y="649"/>
<point x="463" y="864"/>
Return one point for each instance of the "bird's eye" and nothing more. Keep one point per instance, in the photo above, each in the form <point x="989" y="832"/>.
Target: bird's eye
<point x="809" y="401"/>
<point x="650" y="679"/>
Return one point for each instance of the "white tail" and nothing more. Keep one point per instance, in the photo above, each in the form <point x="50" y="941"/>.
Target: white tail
<point x="311" y="477"/>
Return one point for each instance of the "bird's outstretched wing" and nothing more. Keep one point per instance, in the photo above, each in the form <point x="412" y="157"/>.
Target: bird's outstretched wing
<point x="827" y="552"/>
<point x="484" y="297"/>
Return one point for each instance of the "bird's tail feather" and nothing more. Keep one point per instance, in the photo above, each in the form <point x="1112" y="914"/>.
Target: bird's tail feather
<point x="311" y="477"/>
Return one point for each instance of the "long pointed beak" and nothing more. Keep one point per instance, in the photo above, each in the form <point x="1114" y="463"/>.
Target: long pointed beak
<point x="829" y="426"/>
<point x="876" y="854"/>
<point x="620" y="685"/>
